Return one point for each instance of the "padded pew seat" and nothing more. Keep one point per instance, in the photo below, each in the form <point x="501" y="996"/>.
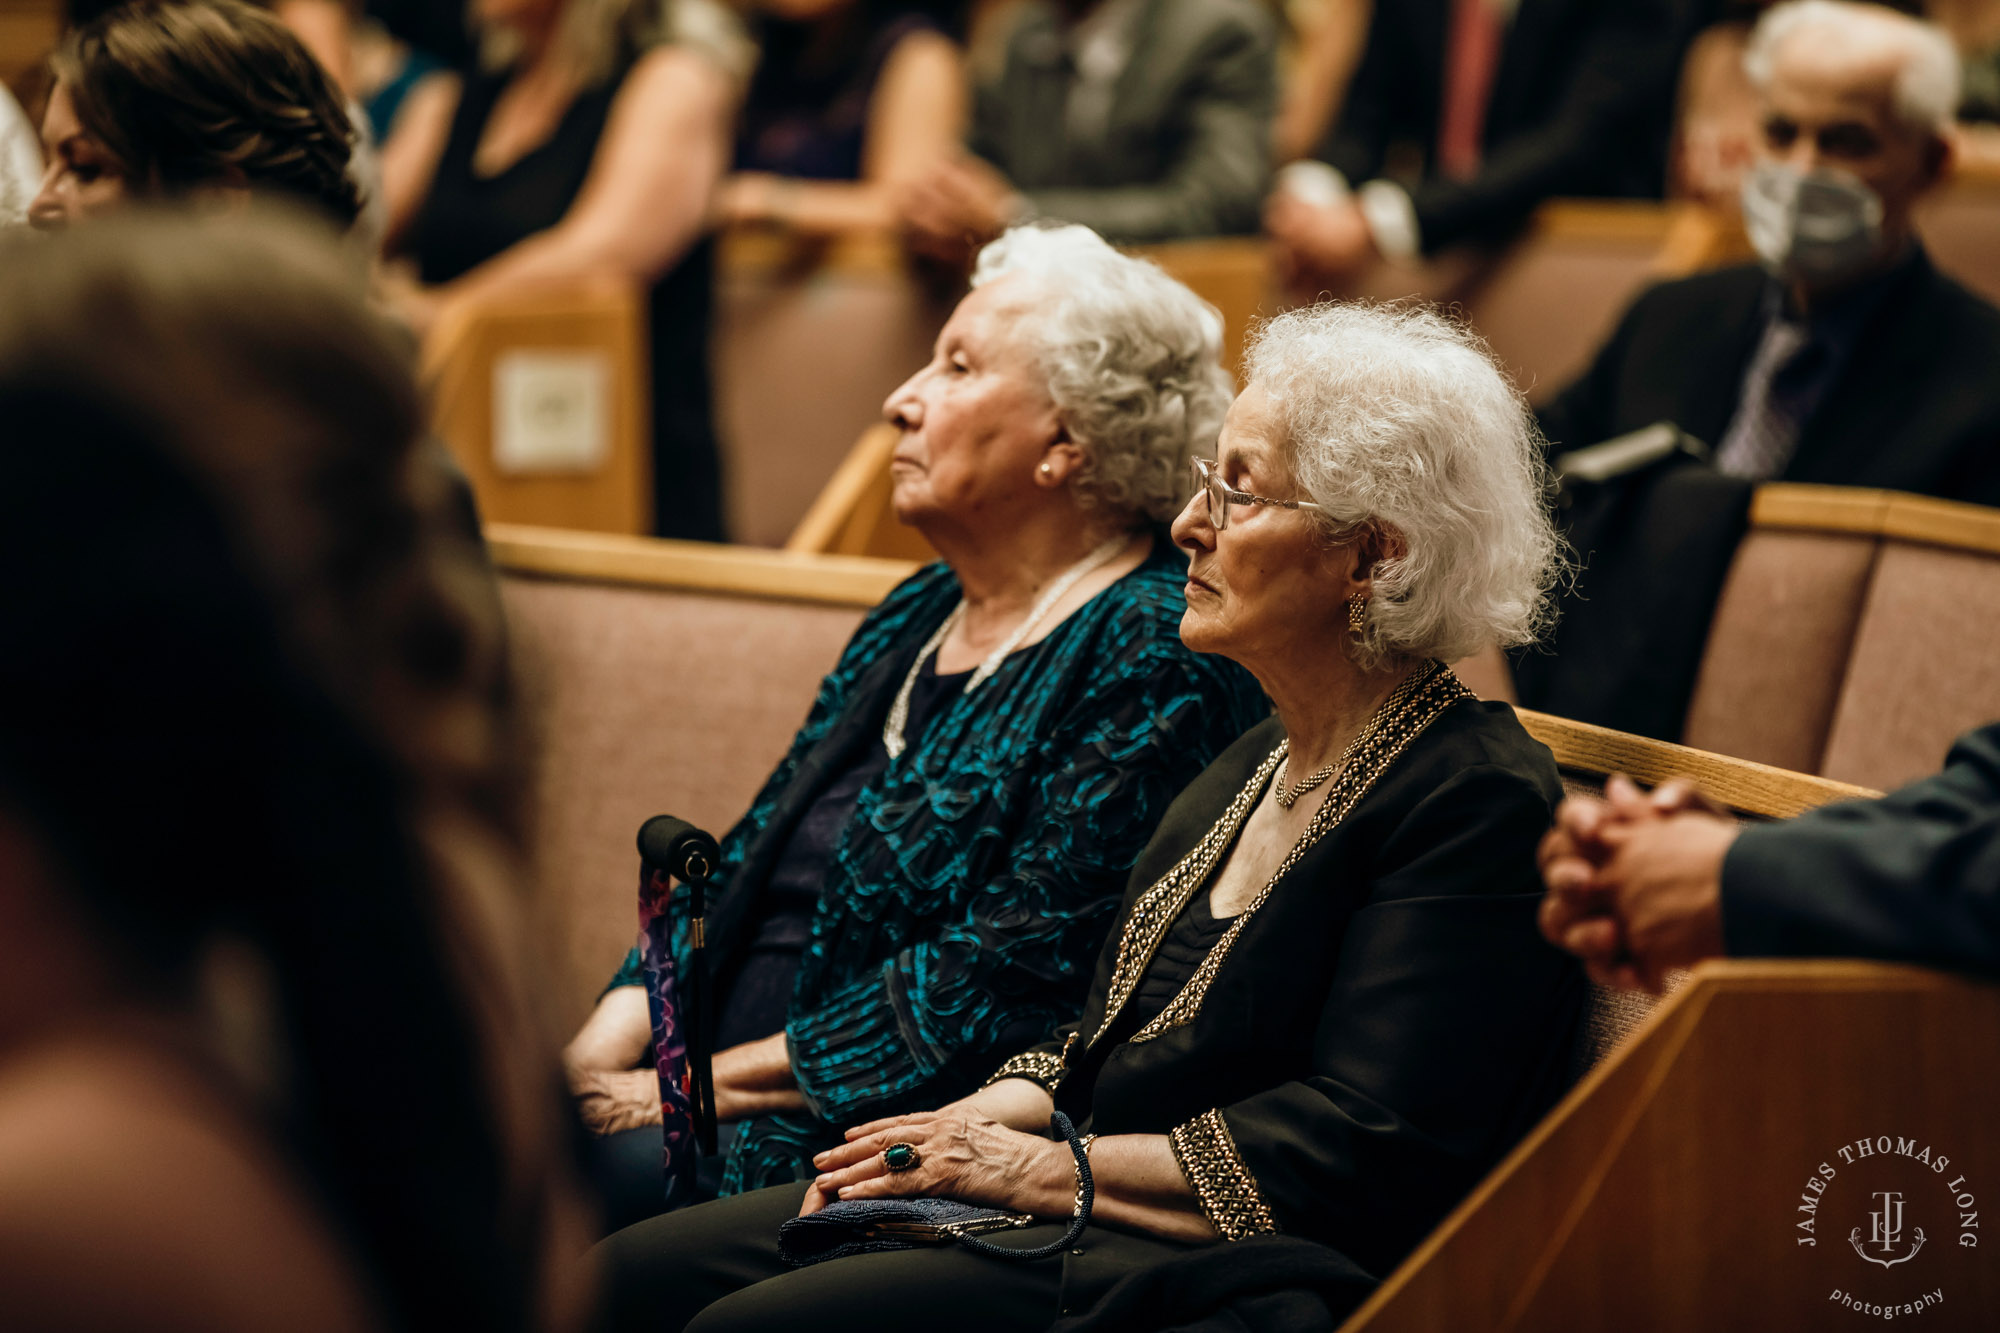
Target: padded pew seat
<point x="654" y="677"/>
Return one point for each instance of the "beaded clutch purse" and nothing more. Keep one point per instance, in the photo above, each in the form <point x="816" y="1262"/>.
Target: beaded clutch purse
<point x="870" y="1226"/>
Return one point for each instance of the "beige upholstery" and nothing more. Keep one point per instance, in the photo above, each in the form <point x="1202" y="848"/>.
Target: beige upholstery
<point x="1777" y="647"/>
<point x="807" y="345"/>
<point x="646" y="701"/>
<point x="1958" y="224"/>
<point x="1925" y="665"/>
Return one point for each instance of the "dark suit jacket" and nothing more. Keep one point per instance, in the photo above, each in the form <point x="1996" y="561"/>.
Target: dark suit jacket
<point x="1917" y="407"/>
<point x="1913" y="877"/>
<point x="1186" y="147"/>
<point x="1387" y="1023"/>
<point x="1582" y="104"/>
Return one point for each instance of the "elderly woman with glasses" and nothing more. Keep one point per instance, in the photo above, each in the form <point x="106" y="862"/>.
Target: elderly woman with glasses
<point x="919" y="889"/>
<point x="1326" y="1009"/>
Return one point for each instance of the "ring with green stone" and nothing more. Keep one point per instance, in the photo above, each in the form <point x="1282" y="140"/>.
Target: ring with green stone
<point x="902" y="1157"/>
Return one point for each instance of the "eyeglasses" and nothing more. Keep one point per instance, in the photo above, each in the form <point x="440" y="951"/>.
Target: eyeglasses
<point x="1221" y="495"/>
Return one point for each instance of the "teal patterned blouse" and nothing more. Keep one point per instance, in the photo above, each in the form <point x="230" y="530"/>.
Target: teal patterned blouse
<point x="967" y="898"/>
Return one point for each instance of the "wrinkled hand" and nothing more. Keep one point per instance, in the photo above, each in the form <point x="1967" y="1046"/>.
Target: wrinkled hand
<point x="1634" y="881"/>
<point x="966" y="1156"/>
<point x="958" y="206"/>
<point x="611" y="1100"/>
<point x="1316" y="244"/>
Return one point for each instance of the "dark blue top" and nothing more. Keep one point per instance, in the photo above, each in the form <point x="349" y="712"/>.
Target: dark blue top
<point x="806" y="113"/>
<point x="964" y="903"/>
<point x="757" y="996"/>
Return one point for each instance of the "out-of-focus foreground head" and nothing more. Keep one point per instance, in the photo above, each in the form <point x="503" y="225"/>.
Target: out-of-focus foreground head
<point x="1854" y="92"/>
<point x="182" y="98"/>
<point x="241" y="706"/>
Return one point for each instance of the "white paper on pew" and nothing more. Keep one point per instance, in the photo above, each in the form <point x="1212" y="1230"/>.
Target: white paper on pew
<point x="551" y="411"/>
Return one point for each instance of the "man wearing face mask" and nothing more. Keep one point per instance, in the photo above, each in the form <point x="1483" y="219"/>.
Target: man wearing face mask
<point x="1844" y="358"/>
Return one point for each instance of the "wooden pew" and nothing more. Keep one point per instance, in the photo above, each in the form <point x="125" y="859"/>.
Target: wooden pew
<point x="655" y="677"/>
<point x="1857" y="633"/>
<point x="543" y="399"/>
<point x="1664" y="1193"/>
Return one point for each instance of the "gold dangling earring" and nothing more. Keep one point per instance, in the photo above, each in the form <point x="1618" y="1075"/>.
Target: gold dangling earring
<point x="1357" y="614"/>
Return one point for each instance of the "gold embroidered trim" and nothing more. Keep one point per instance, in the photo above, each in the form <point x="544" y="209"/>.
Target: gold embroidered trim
<point x="1400" y="720"/>
<point x="1222" y="1184"/>
<point x="1036" y="1066"/>
<point x="1157" y="907"/>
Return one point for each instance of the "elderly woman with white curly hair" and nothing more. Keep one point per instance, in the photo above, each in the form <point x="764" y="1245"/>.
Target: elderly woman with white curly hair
<point x="919" y="889"/>
<point x="1326" y="1009"/>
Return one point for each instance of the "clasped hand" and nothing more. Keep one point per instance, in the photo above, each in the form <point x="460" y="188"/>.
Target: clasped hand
<point x="965" y="1155"/>
<point x="1635" y="881"/>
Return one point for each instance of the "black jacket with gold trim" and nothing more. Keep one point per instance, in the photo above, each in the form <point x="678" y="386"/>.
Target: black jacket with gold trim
<point x="1379" y="1027"/>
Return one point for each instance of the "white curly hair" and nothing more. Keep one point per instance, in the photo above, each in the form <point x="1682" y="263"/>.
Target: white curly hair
<point x="1132" y="359"/>
<point x="1398" y="417"/>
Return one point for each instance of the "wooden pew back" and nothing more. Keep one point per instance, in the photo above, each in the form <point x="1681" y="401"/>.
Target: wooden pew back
<point x="568" y="367"/>
<point x="655" y="678"/>
<point x="1667" y="1191"/>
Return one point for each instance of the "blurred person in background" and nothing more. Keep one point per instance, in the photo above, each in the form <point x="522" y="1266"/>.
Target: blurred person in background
<point x="1330" y="35"/>
<point x="587" y="143"/>
<point x="191" y="100"/>
<point x="852" y="101"/>
<point x="268" y="1056"/>
<point x="1843" y="357"/>
<point x="918" y="890"/>
<point x="1465" y="115"/>
<point x="1144" y="120"/>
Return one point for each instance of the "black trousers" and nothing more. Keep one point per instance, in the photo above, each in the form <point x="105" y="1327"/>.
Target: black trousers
<point x="715" y="1268"/>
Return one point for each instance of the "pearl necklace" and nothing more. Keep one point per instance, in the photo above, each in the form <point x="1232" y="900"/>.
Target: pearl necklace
<point x="899" y="711"/>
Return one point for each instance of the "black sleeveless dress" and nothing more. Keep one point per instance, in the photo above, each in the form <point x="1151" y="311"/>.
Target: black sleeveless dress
<point x="468" y="219"/>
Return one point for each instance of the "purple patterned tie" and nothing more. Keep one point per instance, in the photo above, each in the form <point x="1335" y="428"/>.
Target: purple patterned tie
<point x="1765" y="429"/>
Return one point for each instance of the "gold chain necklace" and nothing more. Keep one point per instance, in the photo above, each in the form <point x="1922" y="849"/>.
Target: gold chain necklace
<point x="1289" y="796"/>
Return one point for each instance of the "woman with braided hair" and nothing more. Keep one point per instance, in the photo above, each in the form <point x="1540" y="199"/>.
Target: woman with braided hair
<point x="191" y="99"/>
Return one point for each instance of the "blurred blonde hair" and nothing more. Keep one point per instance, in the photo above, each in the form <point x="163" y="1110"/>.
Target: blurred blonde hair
<point x="597" y="36"/>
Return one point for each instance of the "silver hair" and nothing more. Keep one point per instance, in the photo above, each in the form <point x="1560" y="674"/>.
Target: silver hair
<point x="1132" y="359"/>
<point x="1397" y="416"/>
<point x="1928" y="83"/>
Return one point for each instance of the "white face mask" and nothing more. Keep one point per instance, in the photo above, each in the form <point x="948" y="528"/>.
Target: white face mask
<point x="1819" y="227"/>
